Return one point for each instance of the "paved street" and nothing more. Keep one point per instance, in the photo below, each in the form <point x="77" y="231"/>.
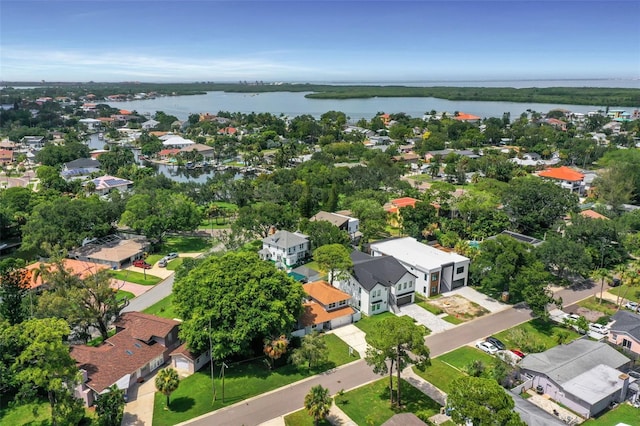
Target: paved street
<point x="157" y="293"/>
<point x="290" y="398"/>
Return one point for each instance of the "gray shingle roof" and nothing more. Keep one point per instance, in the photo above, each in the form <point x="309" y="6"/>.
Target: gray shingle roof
<point x="372" y="270"/>
<point x="286" y="239"/>
<point x="564" y="362"/>
<point x="626" y="322"/>
<point x="82" y="163"/>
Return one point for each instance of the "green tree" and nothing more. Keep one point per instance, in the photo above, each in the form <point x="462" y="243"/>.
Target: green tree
<point x="156" y="213"/>
<point x="601" y="274"/>
<point x="167" y="381"/>
<point x="416" y="219"/>
<point x="274" y="348"/>
<point x="110" y="407"/>
<point x="258" y="219"/>
<point x="482" y="402"/>
<point x="244" y="298"/>
<point x="41" y="363"/>
<point x="14" y="287"/>
<point x="395" y="342"/>
<point x="563" y="256"/>
<point x="334" y="259"/>
<point x="373" y="218"/>
<point x="318" y="403"/>
<point x="312" y="352"/>
<point x="322" y="232"/>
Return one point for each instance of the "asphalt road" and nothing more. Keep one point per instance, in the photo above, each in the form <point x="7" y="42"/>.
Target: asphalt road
<point x="148" y="298"/>
<point x="291" y="398"/>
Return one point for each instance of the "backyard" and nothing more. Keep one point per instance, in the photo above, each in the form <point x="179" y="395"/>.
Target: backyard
<point x="623" y="414"/>
<point x="242" y="380"/>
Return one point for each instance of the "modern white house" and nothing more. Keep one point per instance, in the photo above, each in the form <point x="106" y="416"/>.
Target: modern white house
<point x="175" y="141"/>
<point x="285" y="248"/>
<point x="377" y="284"/>
<point x="437" y="271"/>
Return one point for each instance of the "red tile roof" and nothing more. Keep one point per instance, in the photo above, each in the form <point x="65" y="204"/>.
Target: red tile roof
<point x="81" y="269"/>
<point x="315" y="314"/>
<point x="562" y="173"/>
<point x="592" y="214"/>
<point x="171" y="151"/>
<point x="324" y="292"/>
<point x="462" y="116"/>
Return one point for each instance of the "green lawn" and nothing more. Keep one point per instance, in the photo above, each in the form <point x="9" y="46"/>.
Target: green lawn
<point x="153" y="258"/>
<point x="370" y="404"/>
<point x="433" y="309"/>
<point x="630" y="293"/>
<point x="242" y="381"/>
<point x="32" y="414"/>
<point x="452" y="319"/>
<point x="135" y="277"/>
<point x="462" y="357"/>
<point x="546" y="332"/>
<point x="186" y="244"/>
<point x="121" y="294"/>
<point x="302" y="418"/>
<point x="368" y="324"/>
<point x="439" y="374"/>
<point x="593" y="304"/>
<point x="163" y="308"/>
<point x="173" y="265"/>
<point x="623" y="413"/>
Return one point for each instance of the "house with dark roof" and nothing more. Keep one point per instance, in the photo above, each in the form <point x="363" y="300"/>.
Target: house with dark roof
<point x="325" y="308"/>
<point x="625" y="332"/>
<point x="377" y="284"/>
<point x="285" y="248"/>
<point x="585" y="376"/>
<point x="187" y="362"/>
<point x="142" y="344"/>
<point x="343" y="222"/>
<point x="79" y="168"/>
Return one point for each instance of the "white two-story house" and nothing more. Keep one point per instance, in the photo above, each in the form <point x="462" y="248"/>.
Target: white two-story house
<point x="436" y="271"/>
<point x="377" y="284"/>
<point x="285" y="248"/>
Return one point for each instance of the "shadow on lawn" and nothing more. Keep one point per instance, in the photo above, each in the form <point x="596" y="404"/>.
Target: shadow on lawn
<point x="181" y="404"/>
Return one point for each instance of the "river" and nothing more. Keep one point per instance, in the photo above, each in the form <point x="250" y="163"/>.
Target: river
<point x="294" y="104"/>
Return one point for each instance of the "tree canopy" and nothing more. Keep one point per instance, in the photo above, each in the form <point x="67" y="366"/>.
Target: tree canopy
<point x="244" y="299"/>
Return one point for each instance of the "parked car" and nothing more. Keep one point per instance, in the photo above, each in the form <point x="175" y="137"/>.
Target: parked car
<point x="518" y="353"/>
<point x="615" y="282"/>
<point x="162" y="263"/>
<point x="172" y="255"/>
<point x="599" y="328"/>
<point x="486" y="347"/>
<point x="631" y="305"/>
<point x="495" y="342"/>
<point x="141" y="264"/>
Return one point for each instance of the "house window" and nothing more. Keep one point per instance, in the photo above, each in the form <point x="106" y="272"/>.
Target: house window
<point x="410" y="284"/>
<point x="626" y="343"/>
<point x="375" y="307"/>
<point x="331" y="306"/>
<point x="405" y="286"/>
<point x="342" y="303"/>
<point x="460" y="270"/>
<point x="435" y="276"/>
<point x="301" y="246"/>
<point x="434" y="289"/>
<point x="424" y="290"/>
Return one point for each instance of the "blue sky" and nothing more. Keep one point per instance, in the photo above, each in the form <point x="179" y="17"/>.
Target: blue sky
<point x="210" y="40"/>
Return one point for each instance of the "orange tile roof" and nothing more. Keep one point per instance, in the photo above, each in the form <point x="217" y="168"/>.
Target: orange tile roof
<point x="158" y="133"/>
<point x="592" y="214"/>
<point x="324" y="292"/>
<point x="562" y="173"/>
<point x="404" y="202"/>
<point x="315" y="314"/>
<point x="462" y="116"/>
<point x="79" y="268"/>
<point x="125" y="112"/>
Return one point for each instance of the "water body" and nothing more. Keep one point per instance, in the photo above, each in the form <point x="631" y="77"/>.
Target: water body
<point x="295" y="104"/>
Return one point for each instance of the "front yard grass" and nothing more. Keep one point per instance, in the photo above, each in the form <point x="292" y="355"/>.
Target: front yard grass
<point x="453" y="320"/>
<point x="173" y="265"/>
<point x="439" y="374"/>
<point x="122" y="295"/>
<point x="594" y="304"/>
<point x="163" y="308"/>
<point x="546" y="332"/>
<point x="181" y="244"/>
<point x="302" y="418"/>
<point x="433" y="309"/>
<point x="32" y="414"/>
<point x="135" y="277"/>
<point x="152" y="259"/>
<point x="242" y="381"/>
<point x="369" y="323"/>
<point x="624" y="413"/>
<point x="462" y="357"/>
<point x="370" y="404"/>
<point x="629" y="293"/>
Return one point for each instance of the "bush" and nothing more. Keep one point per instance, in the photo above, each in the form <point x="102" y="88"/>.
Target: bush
<point x="526" y="341"/>
<point x="603" y="320"/>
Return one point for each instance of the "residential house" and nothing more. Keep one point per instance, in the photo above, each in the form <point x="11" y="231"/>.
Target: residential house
<point x="206" y="151"/>
<point x="93" y="124"/>
<point x="78" y="268"/>
<point x="105" y="184"/>
<point x="80" y="168"/>
<point x="112" y="250"/>
<point x="33" y="142"/>
<point x="377" y="284"/>
<point x="393" y="208"/>
<point x="519" y="237"/>
<point x="174" y="141"/>
<point x="437" y="271"/>
<point x="585" y="376"/>
<point x="142" y="344"/>
<point x="168" y="153"/>
<point x="228" y="131"/>
<point x="326" y="308"/>
<point x="407" y="158"/>
<point x="6" y="156"/>
<point x="286" y="248"/>
<point x="564" y="176"/>
<point x="149" y="124"/>
<point x="8" y="145"/>
<point x="186" y="362"/>
<point x="591" y="214"/>
<point x="442" y="153"/>
<point x="625" y="332"/>
<point x="343" y="222"/>
<point x="469" y="118"/>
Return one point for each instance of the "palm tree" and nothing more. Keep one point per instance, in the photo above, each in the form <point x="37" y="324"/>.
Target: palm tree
<point x="621" y="270"/>
<point x="274" y="348"/>
<point x="601" y="274"/>
<point x="318" y="403"/>
<point x="167" y="381"/>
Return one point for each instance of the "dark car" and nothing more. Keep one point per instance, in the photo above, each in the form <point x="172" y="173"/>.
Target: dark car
<point x="141" y="264"/>
<point x="495" y="342"/>
<point x="615" y="282"/>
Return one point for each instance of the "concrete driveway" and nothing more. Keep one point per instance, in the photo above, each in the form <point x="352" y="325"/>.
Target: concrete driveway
<point x="354" y="337"/>
<point x="489" y="303"/>
<point x="426" y="318"/>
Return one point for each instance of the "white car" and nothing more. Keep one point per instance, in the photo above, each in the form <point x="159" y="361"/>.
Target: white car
<point x="486" y="347"/>
<point x="599" y="328"/>
<point x="631" y="305"/>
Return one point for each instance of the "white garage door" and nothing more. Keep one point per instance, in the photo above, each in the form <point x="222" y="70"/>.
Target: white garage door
<point x="341" y="321"/>
<point x="182" y="364"/>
